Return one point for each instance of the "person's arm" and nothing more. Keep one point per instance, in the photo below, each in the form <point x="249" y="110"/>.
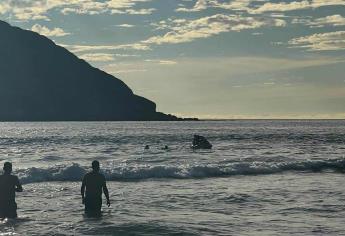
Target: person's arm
<point x="106" y="192"/>
<point x="82" y="191"/>
<point x="19" y="187"/>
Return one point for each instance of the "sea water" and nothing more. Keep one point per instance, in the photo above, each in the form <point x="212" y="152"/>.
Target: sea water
<point x="263" y="177"/>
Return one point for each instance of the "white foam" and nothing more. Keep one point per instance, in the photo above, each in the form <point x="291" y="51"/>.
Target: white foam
<point x="75" y="172"/>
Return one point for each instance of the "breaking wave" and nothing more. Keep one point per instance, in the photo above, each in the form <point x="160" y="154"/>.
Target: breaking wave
<point x="75" y="172"/>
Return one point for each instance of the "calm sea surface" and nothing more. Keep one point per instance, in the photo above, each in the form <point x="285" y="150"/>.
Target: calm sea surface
<point x="261" y="178"/>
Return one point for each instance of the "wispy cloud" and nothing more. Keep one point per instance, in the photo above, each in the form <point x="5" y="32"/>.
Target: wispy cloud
<point x="162" y="62"/>
<point x="86" y="48"/>
<point x="333" y="20"/>
<point x="97" y="57"/>
<point x="38" y="9"/>
<point x="239" y="5"/>
<point x="260" y="6"/>
<point x="320" y="42"/>
<point x="125" y="68"/>
<point x="125" y="26"/>
<point x="294" y="5"/>
<point x="144" y="11"/>
<point x="127" y="55"/>
<point x="56" y="32"/>
<point x="183" y="30"/>
<point x="199" y="6"/>
<point x="4" y="8"/>
<point x="229" y="67"/>
<point x="138" y="66"/>
<point x="126" y="71"/>
<point x="281" y="7"/>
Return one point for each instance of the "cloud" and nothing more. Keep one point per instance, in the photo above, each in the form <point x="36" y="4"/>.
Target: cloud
<point x="239" y="5"/>
<point x="333" y="20"/>
<point x="127" y="55"/>
<point x="43" y="30"/>
<point x="125" y="26"/>
<point x="125" y="68"/>
<point x="257" y="33"/>
<point x="267" y="6"/>
<point x="104" y="57"/>
<point x="147" y="11"/>
<point x="227" y="67"/>
<point x="320" y="42"/>
<point x="183" y="30"/>
<point x="122" y="4"/>
<point x="34" y="10"/>
<point x="86" y="7"/>
<point x="86" y="48"/>
<point x="167" y="62"/>
<point x="137" y="66"/>
<point x="38" y="9"/>
<point x="199" y="6"/>
<point x="294" y="5"/>
<point x="103" y="8"/>
<point x="4" y="8"/>
<point x="127" y="71"/>
<point x="97" y="57"/>
<point x="282" y="6"/>
<point x="162" y="62"/>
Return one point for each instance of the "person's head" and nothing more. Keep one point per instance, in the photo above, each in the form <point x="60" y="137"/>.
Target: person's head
<point x="95" y="166"/>
<point x="7" y="167"/>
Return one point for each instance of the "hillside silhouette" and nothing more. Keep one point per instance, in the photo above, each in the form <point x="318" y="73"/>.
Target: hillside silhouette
<point x="40" y="81"/>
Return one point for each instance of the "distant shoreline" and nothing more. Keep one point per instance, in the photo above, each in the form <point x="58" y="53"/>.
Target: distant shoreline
<point x="181" y="120"/>
<point x="266" y="119"/>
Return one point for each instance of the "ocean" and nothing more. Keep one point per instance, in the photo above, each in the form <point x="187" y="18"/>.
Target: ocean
<point x="262" y="177"/>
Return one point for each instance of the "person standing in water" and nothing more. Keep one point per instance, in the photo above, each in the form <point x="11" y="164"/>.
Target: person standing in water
<point x="94" y="183"/>
<point x="9" y="185"/>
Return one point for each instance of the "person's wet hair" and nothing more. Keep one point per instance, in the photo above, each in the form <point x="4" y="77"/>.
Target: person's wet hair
<point x="95" y="165"/>
<point x="8" y="167"/>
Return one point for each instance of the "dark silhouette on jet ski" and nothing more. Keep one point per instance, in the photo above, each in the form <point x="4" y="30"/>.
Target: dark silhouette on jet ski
<point x="200" y="142"/>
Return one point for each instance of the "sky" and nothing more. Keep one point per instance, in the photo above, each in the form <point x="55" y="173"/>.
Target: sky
<point x="216" y="59"/>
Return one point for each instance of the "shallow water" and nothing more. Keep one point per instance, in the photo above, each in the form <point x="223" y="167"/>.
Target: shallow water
<point x="302" y="204"/>
<point x="261" y="178"/>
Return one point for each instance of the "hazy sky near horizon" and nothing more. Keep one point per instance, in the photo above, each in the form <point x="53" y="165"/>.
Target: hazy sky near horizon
<point x="207" y="58"/>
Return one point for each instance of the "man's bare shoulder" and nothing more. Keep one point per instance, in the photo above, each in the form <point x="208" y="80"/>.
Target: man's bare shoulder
<point x="9" y="178"/>
<point x="94" y="175"/>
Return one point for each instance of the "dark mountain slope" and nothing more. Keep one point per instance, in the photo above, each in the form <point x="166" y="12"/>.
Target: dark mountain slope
<point x="40" y="81"/>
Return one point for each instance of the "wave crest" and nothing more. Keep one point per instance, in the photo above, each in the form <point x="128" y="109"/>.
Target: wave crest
<point x="75" y="172"/>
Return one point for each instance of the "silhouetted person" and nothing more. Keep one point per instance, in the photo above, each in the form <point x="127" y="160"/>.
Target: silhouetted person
<point x="9" y="185"/>
<point x="94" y="182"/>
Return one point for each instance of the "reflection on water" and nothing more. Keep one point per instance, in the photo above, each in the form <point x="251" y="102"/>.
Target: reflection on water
<point x="302" y="203"/>
<point x="260" y="178"/>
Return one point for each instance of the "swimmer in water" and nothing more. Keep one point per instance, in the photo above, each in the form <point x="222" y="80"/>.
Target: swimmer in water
<point x="9" y="185"/>
<point x="91" y="191"/>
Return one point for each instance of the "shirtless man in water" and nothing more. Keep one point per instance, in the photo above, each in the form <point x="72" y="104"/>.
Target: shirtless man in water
<point x="94" y="182"/>
<point x="9" y="185"/>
